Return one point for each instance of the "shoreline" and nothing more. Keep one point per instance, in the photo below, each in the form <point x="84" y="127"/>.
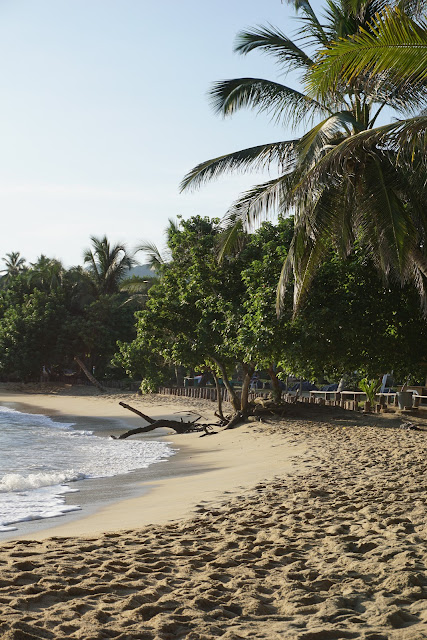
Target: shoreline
<point x="335" y="549"/>
<point x="202" y="470"/>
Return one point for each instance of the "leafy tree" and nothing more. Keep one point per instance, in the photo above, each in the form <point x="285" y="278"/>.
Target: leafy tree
<point x="193" y="314"/>
<point x="265" y="336"/>
<point x="28" y="335"/>
<point x="201" y="314"/>
<point x="352" y="321"/>
<point x="371" y="195"/>
<point x="50" y="315"/>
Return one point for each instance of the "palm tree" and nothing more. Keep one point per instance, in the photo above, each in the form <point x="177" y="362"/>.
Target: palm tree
<point x="46" y="273"/>
<point x="395" y="49"/>
<point x="15" y="264"/>
<point x="108" y="264"/>
<point x="156" y="258"/>
<point x="371" y="196"/>
<point x="395" y="45"/>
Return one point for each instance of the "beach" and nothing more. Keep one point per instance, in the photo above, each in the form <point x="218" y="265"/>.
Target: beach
<point x="307" y="527"/>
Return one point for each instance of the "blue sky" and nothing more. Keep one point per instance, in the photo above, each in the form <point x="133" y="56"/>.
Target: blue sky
<point x="104" y="109"/>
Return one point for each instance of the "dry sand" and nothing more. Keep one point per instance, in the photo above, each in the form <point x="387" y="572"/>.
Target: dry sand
<point x="332" y="547"/>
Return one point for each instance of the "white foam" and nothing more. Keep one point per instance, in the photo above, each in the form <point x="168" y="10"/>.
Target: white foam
<point x="46" y="502"/>
<point x="39" y="457"/>
<point x="18" y="482"/>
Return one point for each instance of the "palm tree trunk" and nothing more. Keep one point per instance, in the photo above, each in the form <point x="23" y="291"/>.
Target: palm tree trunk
<point x="88" y="375"/>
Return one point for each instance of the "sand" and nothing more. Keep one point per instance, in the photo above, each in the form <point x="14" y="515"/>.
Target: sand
<point x="325" y="539"/>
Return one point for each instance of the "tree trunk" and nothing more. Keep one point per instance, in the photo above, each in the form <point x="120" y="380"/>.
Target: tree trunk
<point x="236" y="419"/>
<point x="218" y="396"/>
<point x="233" y="395"/>
<point x="244" y="401"/>
<point x="277" y="392"/>
<point x="179" y="377"/>
<point x="88" y="375"/>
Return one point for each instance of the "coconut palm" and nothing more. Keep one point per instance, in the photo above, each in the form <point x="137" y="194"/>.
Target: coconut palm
<point x="46" y="273"/>
<point x="155" y="257"/>
<point x="15" y="264"/>
<point x="107" y="264"/>
<point x="337" y="196"/>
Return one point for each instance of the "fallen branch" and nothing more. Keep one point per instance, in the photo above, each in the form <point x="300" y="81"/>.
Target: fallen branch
<point x="138" y="413"/>
<point x="179" y="426"/>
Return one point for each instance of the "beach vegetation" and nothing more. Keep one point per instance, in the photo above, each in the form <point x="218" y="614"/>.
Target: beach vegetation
<point x="196" y="314"/>
<point x="370" y="388"/>
<point x="49" y="315"/>
<point x="348" y="179"/>
<point x="206" y="316"/>
<point x="107" y="264"/>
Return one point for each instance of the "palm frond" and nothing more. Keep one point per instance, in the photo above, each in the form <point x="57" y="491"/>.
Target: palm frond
<point x="283" y="104"/>
<point x="392" y="222"/>
<point x="265" y="199"/>
<point x="419" y="276"/>
<point x="229" y="239"/>
<point x="324" y="134"/>
<point x="273" y="42"/>
<point x="395" y="45"/>
<point x="153" y="254"/>
<point x="312" y="26"/>
<point x="404" y="137"/>
<point x="281" y="154"/>
<point x="304" y="257"/>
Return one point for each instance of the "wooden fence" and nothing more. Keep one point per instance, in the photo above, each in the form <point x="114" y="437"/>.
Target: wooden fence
<point x="208" y="393"/>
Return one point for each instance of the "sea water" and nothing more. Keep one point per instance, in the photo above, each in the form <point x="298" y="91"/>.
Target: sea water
<point x="41" y="460"/>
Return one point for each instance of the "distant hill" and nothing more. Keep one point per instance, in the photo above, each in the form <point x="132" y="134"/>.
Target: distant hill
<point x="142" y="270"/>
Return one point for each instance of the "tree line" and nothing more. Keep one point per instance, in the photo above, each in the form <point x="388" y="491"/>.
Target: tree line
<point x="50" y="315"/>
<point x="221" y="317"/>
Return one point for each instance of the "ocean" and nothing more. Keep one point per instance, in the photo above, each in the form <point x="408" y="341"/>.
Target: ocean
<point x="41" y="460"/>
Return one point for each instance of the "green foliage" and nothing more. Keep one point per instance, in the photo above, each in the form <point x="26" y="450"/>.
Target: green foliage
<point x="150" y="384"/>
<point x="395" y="44"/>
<point x="107" y="264"/>
<point x="49" y="315"/>
<point x="353" y="321"/>
<point x="347" y="181"/>
<point x="370" y="387"/>
<point x="204" y="314"/>
<point x="201" y="314"/>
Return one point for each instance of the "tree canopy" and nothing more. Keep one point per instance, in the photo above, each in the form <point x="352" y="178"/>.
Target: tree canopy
<point x="341" y="191"/>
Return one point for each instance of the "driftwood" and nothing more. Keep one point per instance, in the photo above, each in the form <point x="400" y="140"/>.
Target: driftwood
<point x="138" y="413"/>
<point x="177" y="425"/>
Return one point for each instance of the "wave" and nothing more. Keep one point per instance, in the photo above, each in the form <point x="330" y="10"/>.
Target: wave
<point x="18" y="482"/>
<point x="39" y="419"/>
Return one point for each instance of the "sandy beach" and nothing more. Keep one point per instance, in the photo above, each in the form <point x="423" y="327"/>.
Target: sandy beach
<point x="311" y="527"/>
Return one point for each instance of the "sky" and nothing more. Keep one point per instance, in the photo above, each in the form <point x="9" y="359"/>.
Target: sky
<point x="104" y="109"/>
